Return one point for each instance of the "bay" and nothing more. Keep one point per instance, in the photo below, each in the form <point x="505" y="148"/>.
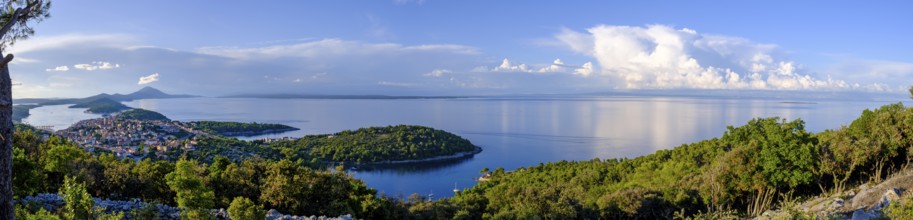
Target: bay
<point x="514" y="132"/>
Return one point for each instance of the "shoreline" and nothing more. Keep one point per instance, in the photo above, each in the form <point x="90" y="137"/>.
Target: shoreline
<point x="257" y="133"/>
<point x="431" y="159"/>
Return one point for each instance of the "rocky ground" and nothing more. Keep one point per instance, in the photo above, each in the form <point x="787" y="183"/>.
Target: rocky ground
<point x="52" y="202"/>
<point x="867" y="201"/>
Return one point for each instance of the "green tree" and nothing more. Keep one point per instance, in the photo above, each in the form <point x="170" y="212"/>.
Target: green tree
<point x="152" y="184"/>
<point x="41" y="214"/>
<point x="193" y="197"/>
<point x="883" y="133"/>
<point x="841" y="156"/>
<point x="769" y="154"/>
<point x="244" y="209"/>
<point x="61" y="158"/>
<point x="77" y="202"/>
<point x="28" y="179"/>
<point x="239" y="180"/>
<point x="15" y="17"/>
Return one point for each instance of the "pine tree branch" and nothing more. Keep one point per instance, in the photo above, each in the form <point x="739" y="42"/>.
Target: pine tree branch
<point x="13" y="20"/>
<point x="6" y="60"/>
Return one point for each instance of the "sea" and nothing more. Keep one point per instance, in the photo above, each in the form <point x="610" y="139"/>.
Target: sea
<point x="513" y="131"/>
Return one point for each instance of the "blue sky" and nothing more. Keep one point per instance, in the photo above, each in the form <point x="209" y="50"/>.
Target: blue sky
<point x="464" y="47"/>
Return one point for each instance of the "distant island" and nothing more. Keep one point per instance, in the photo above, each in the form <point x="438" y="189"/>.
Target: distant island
<point x="144" y="93"/>
<point x="321" y="96"/>
<point x="99" y="104"/>
<point x="238" y="128"/>
<point x="380" y="145"/>
<point x="142" y="114"/>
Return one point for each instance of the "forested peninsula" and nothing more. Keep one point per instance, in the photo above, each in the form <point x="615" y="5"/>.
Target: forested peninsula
<point x="372" y="145"/>
<point x="228" y="128"/>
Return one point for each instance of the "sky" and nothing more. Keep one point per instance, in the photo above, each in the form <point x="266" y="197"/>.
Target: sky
<point x="430" y="47"/>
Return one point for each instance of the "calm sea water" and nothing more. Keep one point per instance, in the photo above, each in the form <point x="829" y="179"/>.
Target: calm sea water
<point x="514" y="132"/>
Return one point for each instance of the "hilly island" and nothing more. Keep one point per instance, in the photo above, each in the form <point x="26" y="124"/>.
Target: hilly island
<point x="99" y="104"/>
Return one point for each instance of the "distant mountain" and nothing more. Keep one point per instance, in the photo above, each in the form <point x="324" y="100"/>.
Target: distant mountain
<point x="318" y="96"/>
<point x="144" y="93"/>
<point x="103" y="103"/>
<point x="148" y="93"/>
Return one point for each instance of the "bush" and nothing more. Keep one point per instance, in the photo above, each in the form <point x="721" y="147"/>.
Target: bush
<point x="902" y="209"/>
<point x="78" y="202"/>
<point x="244" y="209"/>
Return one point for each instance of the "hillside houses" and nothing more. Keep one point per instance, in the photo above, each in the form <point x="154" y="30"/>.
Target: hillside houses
<point x="125" y="136"/>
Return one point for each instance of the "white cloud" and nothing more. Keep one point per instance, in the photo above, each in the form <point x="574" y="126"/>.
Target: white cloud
<point x="107" y="65"/>
<point x="556" y="66"/>
<point x="659" y="56"/>
<point x="148" y="79"/>
<point x="85" y="67"/>
<point x="585" y="70"/>
<point x="96" y="66"/>
<point x="506" y="66"/>
<point x="58" y="69"/>
<point x="333" y="47"/>
<point x="70" y="40"/>
<point x="872" y="71"/>
<point x="438" y="72"/>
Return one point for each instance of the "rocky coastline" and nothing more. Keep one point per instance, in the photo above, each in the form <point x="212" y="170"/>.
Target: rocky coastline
<point x="256" y="133"/>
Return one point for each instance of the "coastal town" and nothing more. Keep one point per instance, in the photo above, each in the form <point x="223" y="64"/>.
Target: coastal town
<point x="140" y="133"/>
<point x="132" y="137"/>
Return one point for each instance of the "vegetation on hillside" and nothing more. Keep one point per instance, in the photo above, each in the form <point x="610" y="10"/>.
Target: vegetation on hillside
<point x="43" y="165"/>
<point x="21" y="111"/>
<point x="749" y="169"/>
<point x="101" y="106"/>
<point x="238" y="128"/>
<point x="376" y="144"/>
<point x="141" y="114"/>
<point x="365" y="145"/>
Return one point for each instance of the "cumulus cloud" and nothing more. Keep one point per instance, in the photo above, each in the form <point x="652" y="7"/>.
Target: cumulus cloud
<point x="438" y="72"/>
<point x="58" y="69"/>
<point x="584" y="70"/>
<point x="556" y="66"/>
<point x="506" y="66"/>
<point x="148" y="79"/>
<point x="96" y="66"/>
<point x="660" y="56"/>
